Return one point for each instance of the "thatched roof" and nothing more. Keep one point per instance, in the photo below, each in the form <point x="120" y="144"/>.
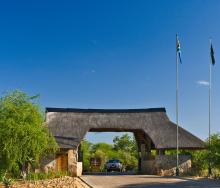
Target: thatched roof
<point x="69" y="126"/>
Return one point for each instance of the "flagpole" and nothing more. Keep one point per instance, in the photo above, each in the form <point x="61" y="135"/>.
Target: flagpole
<point x="210" y="83"/>
<point x="177" y="111"/>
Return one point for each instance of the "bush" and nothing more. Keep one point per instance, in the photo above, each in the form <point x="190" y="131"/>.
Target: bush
<point x="24" y="136"/>
<point x="43" y="176"/>
<point x="216" y="173"/>
<point x="6" y="180"/>
<point x="2" y="172"/>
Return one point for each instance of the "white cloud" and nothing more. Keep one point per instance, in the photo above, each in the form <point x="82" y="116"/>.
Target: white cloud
<point x="202" y="83"/>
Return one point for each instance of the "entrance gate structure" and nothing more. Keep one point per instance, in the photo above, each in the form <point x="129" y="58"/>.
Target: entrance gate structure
<point x="151" y="127"/>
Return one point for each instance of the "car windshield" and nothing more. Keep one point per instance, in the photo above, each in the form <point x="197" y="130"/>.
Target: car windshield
<point x="113" y="161"/>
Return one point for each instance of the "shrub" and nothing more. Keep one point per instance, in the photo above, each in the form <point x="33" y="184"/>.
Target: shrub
<point x="24" y="137"/>
<point x="6" y="180"/>
<point x="43" y="176"/>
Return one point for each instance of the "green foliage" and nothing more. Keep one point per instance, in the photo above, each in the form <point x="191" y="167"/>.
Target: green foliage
<point x="201" y="158"/>
<point x="2" y="173"/>
<point x="24" y="137"/>
<point x="125" y="143"/>
<point x="6" y="180"/>
<point x="124" y="149"/>
<point x="105" y="147"/>
<point x="181" y="151"/>
<point x="127" y="148"/>
<point x="215" y="150"/>
<point x="86" y="149"/>
<point x="43" y="176"/>
<point x="101" y="154"/>
<point x="216" y="173"/>
<point x="129" y="160"/>
<point x="200" y="162"/>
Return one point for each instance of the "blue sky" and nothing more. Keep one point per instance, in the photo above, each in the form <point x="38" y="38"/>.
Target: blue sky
<point x="113" y="54"/>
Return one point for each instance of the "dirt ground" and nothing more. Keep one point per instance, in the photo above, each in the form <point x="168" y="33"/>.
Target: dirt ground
<point x="64" y="182"/>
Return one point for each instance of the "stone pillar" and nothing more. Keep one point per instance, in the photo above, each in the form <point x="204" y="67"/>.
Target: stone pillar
<point x="148" y="150"/>
<point x="72" y="162"/>
<point x="80" y="154"/>
<point x="143" y="152"/>
<point x="146" y="163"/>
<point x="139" y="158"/>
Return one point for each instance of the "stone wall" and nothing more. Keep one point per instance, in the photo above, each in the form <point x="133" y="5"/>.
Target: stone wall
<point x="165" y="165"/>
<point x="160" y="165"/>
<point x="72" y="162"/>
<point x="48" y="163"/>
<point x="79" y="169"/>
<point x="148" y="167"/>
<point x="74" y="168"/>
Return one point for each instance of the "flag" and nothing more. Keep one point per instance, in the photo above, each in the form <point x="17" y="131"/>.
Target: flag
<point x="178" y="49"/>
<point x="212" y="54"/>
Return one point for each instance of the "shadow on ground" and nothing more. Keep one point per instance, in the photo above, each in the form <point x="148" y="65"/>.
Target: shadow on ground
<point x="186" y="183"/>
<point x="110" y="173"/>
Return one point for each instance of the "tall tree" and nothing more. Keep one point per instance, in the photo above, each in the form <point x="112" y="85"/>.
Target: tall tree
<point x="125" y="143"/>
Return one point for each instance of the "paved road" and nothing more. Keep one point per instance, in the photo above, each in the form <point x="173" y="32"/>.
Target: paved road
<point x="146" y="181"/>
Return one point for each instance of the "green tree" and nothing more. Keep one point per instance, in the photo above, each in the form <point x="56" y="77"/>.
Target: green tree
<point x="24" y="137"/>
<point x="129" y="160"/>
<point x="215" y="150"/>
<point x="200" y="162"/>
<point x="86" y="151"/>
<point x="200" y="159"/>
<point x="104" y="151"/>
<point x="105" y="147"/>
<point x="125" y="143"/>
<point x="126" y="147"/>
<point x="102" y="155"/>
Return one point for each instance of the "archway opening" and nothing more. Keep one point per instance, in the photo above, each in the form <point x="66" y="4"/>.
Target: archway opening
<point x="109" y="152"/>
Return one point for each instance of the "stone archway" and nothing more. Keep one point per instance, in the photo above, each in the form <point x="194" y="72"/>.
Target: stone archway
<point x="152" y="129"/>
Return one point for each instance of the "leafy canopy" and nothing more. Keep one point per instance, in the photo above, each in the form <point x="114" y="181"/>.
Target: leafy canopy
<point x="24" y="136"/>
<point x="125" y="143"/>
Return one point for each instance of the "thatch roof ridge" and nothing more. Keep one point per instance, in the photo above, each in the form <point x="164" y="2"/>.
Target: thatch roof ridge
<point x="90" y="110"/>
<point x="68" y="123"/>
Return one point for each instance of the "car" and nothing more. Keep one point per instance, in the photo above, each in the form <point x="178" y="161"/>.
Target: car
<point x="114" y="165"/>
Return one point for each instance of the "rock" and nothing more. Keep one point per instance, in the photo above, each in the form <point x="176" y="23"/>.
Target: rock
<point x="63" y="182"/>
